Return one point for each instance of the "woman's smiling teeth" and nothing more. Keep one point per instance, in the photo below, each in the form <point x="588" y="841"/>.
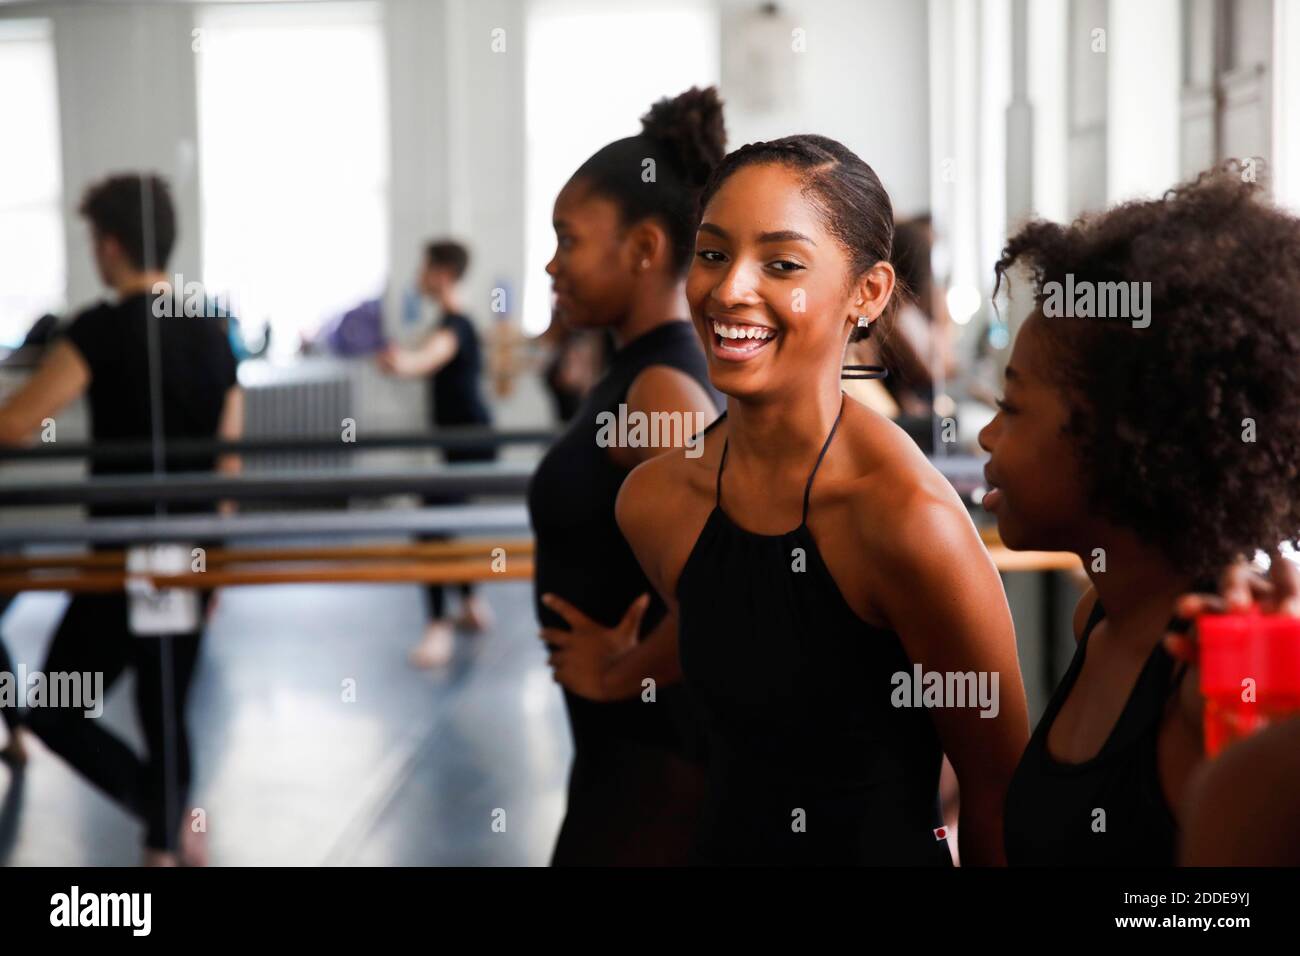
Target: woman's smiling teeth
<point x="742" y="338"/>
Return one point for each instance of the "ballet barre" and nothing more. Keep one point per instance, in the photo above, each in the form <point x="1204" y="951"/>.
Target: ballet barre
<point x="433" y="550"/>
<point x="488" y="479"/>
<point x="451" y="438"/>
<point x="458" y="520"/>
<point x="427" y="563"/>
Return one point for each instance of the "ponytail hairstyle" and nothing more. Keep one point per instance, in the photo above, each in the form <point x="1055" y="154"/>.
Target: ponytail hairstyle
<point x="847" y="192"/>
<point x="659" y="173"/>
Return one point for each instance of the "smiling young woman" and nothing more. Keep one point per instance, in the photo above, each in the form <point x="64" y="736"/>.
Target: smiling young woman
<point x="812" y="553"/>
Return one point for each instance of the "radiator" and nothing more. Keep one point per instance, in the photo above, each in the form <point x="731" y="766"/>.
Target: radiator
<point x="307" y="400"/>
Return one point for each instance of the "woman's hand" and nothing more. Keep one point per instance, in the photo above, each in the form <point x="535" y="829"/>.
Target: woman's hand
<point x="1240" y="588"/>
<point x="581" y="656"/>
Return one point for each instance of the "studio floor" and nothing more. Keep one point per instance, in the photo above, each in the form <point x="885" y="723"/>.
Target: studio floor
<point x="416" y="770"/>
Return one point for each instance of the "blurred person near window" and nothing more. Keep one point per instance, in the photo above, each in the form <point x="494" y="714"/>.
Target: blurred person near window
<point x="451" y="357"/>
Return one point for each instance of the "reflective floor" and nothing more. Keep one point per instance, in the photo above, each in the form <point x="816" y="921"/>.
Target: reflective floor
<point x="290" y="771"/>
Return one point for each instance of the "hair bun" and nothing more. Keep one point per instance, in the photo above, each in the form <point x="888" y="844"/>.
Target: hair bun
<point x="691" y="125"/>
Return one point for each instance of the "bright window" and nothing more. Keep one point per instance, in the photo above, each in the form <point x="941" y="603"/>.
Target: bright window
<point x="1286" y="104"/>
<point x="293" y="149"/>
<point x="592" y="71"/>
<point x="33" y="278"/>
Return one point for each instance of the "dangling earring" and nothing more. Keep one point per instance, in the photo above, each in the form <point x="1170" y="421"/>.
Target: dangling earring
<point x="864" y="371"/>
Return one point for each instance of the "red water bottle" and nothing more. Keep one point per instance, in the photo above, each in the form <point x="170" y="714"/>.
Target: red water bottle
<point x="1250" y="673"/>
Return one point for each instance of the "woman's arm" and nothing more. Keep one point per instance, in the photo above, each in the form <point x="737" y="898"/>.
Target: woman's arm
<point x="940" y="592"/>
<point x="607" y="664"/>
<point x="1240" y="809"/>
<point x="654" y="657"/>
<point x="603" y="663"/>
<point x="61" y="377"/>
<point x="665" y="391"/>
<point x="647" y="494"/>
<point x="638" y="509"/>
<point x="231" y="428"/>
<point x="428" y="357"/>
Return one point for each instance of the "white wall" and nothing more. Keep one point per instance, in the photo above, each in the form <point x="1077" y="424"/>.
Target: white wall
<point x="457" y="121"/>
<point x="1143" y="53"/>
<point x="1047" y="55"/>
<point x="863" y="80"/>
<point x="1286" y="103"/>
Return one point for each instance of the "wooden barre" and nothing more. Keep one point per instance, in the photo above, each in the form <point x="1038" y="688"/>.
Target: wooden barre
<point x="430" y="550"/>
<point x="1003" y="558"/>
<point x="449" y="572"/>
<point x="1007" y="560"/>
<point x="434" y="572"/>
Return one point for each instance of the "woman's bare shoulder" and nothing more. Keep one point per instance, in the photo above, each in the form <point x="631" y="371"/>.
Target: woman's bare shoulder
<point x="669" y="485"/>
<point x="888" y="483"/>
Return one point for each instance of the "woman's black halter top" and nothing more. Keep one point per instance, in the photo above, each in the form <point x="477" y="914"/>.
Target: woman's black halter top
<point x="809" y="761"/>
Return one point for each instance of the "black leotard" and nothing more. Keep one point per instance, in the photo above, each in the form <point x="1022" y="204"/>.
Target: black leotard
<point x="1051" y="815"/>
<point x="636" y="782"/>
<point x="795" y="690"/>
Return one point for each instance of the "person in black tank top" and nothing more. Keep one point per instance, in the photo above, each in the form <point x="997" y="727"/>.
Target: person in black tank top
<point x="635" y="785"/>
<point x="799" y="641"/>
<point x="1055" y="810"/>
<point x="815" y="729"/>
<point x="122" y="356"/>
<point x="452" y="358"/>
<point x="1146" y="444"/>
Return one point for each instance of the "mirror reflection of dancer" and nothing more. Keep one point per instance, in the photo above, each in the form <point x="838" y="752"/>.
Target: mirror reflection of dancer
<point x="813" y="554"/>
<point x="623" y="245"/>
<point x="105" y="355"/>
<point x="452" y="355"/>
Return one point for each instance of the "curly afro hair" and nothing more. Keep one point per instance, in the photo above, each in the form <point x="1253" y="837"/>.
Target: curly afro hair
<point x="1188" y="429"/>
